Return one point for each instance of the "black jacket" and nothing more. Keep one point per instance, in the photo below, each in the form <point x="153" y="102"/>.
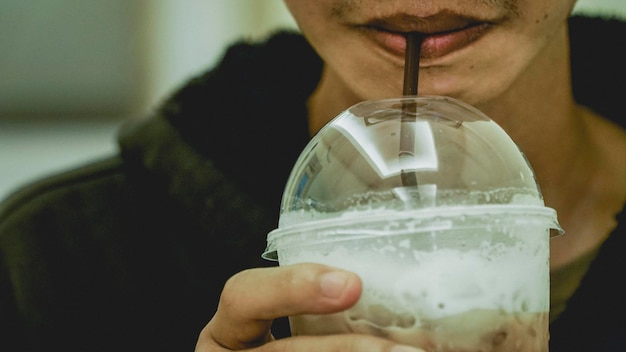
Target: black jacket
<point x="131" y="252"/>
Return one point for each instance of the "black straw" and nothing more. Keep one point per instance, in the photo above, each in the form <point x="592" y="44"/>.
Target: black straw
<point x="412" y="62"/>
<point x="407" y="133"/>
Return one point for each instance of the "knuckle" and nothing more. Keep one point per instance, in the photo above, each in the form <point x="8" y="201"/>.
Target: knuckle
<point x="232" y="288"/>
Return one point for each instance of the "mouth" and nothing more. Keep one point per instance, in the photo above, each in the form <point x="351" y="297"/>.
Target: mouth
<point x="442" y="34"/>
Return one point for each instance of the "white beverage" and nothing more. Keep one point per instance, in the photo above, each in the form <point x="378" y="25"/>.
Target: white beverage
<point x="460" y="283"/>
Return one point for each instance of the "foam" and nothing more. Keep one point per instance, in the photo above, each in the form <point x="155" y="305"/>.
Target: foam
<point x="307" y="210"/>
<point x="511" y="276"/>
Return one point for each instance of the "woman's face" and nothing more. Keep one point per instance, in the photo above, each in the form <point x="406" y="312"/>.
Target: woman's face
<point x="474" y="50"/>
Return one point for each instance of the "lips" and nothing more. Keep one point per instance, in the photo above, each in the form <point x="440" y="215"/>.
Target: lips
<point x="443" y="34"/>
<point x="438" y="45"/>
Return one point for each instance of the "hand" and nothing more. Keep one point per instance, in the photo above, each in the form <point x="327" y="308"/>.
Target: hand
<point x="253" y="298"/>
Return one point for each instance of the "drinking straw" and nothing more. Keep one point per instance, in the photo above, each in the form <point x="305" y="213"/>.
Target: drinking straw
<point x="407" y="132"/>
<point x="411" y="62"/>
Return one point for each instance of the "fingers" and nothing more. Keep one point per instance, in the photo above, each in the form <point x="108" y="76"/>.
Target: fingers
<point x="337" y="343"/>
<point x="251" y="299"/>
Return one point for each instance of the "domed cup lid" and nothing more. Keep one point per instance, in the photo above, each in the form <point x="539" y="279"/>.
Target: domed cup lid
<point x="402" y="156"/>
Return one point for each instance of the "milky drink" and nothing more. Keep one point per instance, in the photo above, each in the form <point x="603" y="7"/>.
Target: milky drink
<point x="472" y="279"/>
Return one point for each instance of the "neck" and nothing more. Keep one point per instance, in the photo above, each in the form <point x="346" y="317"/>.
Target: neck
<point x="571" y="150"/>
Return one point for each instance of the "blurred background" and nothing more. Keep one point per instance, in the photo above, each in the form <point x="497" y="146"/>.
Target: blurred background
<point x="71" y="71"/>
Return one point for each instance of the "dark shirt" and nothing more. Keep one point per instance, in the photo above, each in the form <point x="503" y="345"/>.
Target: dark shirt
<point x="131" y="252"/>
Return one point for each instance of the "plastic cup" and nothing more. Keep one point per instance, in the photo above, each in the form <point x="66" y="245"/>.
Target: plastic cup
<point x="438" y="211"/>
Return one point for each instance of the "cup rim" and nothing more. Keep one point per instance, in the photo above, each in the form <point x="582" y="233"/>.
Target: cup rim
<point x="440" y="218"/>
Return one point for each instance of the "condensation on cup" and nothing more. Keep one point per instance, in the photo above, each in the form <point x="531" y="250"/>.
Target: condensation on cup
<point x="438" y="211"/>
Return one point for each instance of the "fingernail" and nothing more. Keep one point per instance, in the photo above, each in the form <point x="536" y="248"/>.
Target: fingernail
<point x="333" y="283"/>
<point x="404" y="348"/>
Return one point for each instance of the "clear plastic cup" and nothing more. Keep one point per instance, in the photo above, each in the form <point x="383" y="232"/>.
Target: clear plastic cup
<point x="438" y="211"/>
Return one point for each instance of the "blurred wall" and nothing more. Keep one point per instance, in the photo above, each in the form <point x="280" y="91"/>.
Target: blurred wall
<point x="119" y="57"/>
<point x="615" y="8"/>
<point x="114" y="57"/>
<point x="186" y="37"/>
<point x="68" y="56"/>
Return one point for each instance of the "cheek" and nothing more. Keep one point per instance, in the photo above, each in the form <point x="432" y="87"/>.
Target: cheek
<point x="311" y="15"/>
<point x="543" y="18"/>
